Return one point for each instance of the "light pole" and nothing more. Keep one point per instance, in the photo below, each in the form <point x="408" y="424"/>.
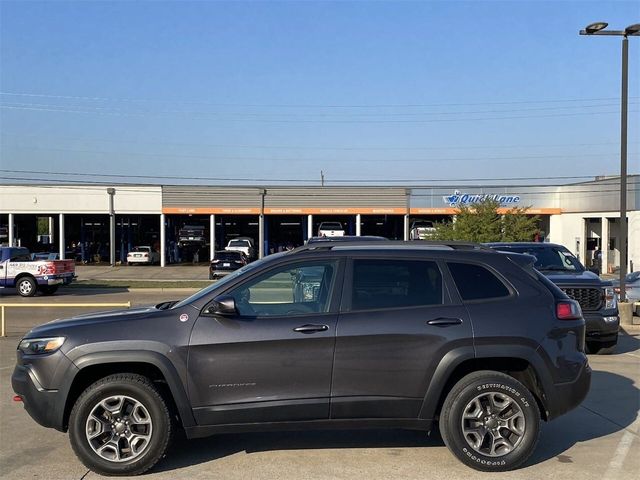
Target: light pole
<point x="598" y="28"/>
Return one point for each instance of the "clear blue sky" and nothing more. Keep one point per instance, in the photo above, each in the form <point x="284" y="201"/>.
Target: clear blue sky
<point x="361" y="90"/>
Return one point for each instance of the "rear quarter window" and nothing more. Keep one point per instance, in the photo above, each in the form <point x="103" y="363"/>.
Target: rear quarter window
<point x="380" y="284"/>
<point x="475" y="282"/>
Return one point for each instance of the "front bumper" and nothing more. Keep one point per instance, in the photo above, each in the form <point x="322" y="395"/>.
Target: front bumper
<point x="602" y="326"/>
<point x="33" y="380"/>
<point x="41" y="404"/>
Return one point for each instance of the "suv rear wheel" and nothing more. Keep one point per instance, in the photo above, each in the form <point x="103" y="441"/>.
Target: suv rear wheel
<point x="120" y="425"/>
<point x="490" y="421"/>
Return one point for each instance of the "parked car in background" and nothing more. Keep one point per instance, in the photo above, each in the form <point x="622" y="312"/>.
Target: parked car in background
<point x="421" y="230"/>
<point x="347" y="238"/>
<point x="192" y="235"/>
<point x="595" y="296"/>
<point x="330" y="229"/>
<point x="398" y="334"/>
<point x="28" y="276"/>
<point x="242" y="244"/>
<point x="143" y="256"/>
<point x="225" y="262"/>
<point x="631" y="286"/>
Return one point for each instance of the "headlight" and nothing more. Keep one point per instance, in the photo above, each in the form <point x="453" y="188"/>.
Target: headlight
<point x="610" y="298"/>
<point x="33" y="346"/>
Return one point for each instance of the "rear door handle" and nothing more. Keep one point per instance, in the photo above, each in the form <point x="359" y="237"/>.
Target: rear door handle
<point x="311" y="328"/>
<point x="445" y="322"/>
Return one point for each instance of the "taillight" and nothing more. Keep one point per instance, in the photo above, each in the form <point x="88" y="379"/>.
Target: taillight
<point x="237" y="261"/>
<point x="215" y="261"/>
<point x="568" y="310"/>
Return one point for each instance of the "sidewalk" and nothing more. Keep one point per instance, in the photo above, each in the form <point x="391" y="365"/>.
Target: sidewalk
<point x="143" y="272"/>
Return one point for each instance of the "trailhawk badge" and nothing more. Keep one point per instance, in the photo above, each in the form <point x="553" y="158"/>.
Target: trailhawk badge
<point x="184" y="317"/>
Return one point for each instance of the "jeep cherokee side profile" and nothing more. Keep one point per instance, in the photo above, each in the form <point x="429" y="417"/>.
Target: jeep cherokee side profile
<point x="375" y="334"/>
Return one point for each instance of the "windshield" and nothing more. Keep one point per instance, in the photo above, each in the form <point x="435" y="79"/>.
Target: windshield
<point x="239" y="243"/>
<point x="632" y="277"/>
<point x="331" y="226"/>
<point x="142" y="249"/>
<point x="227" y="255"/>
<point x="551" y="258"/>
<point x="424" y="224"/>
<point x="206" y="290"/>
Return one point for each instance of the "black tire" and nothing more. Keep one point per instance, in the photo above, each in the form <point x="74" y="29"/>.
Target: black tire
<point x="26" y="286"/>
<point x="49" y="289"/>
<point x="461" y="397"/>
<point x="133" y="386"/>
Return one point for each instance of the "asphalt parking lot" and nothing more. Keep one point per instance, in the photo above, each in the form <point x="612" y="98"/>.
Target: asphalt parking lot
<point x="599" y="440"/>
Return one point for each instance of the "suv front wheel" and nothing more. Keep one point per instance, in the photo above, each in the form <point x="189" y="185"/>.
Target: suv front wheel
<point x="490" y="421"/>
<point x="120" y="425"/>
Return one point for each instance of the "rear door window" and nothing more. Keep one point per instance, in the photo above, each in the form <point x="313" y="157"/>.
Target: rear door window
<point x="395" y="284"/>
<point x="476" y="282"/>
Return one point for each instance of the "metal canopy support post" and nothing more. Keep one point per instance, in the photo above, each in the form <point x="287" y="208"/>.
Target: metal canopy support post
<point x="309" y="226"/>
<point x="61" y="240"/>
<point x="112" y="227"/>
<point x="261" y="225"/>
<point x="358" y="225"/>
<point x="261" y="236"/>
<point x="604" y="247"/>
<point x="406" y="227"/>
<point x="11" y="232"/>
<point x="212" y="236"/>
<point x="163" y="238"/>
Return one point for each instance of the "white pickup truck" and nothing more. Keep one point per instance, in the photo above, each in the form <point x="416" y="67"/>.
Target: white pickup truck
<point x="330" y="229"/>
<point x="27" y="276"/>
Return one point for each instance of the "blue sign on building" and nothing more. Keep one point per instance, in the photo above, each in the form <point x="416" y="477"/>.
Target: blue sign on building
<point x="459" y="198"/>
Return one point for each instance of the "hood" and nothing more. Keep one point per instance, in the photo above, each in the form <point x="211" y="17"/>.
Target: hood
<point x="90" y="319"/>
<point x="583" y="278"/>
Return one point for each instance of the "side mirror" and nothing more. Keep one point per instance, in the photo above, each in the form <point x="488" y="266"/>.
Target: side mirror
<point x="224" y="305"/>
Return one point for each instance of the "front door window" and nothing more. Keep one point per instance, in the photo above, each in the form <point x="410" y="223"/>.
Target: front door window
<point x="291" y="290"/>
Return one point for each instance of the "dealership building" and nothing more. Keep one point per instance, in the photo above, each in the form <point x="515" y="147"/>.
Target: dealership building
<point x="80" y="220"/>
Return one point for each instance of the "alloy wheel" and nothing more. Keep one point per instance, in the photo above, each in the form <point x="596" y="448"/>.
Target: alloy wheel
<point x="493" y="424"/>
<point x="119" y="428"/>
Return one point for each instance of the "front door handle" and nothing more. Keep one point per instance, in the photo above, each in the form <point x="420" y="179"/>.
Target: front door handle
<point x="445" y="322"/>
<point x="311" y="328"/>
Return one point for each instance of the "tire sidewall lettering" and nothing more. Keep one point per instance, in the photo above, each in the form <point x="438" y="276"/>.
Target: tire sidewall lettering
<point x="504" y="388"/>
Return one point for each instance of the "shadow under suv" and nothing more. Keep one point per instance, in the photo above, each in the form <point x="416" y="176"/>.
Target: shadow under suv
<point x="376" y="334"/>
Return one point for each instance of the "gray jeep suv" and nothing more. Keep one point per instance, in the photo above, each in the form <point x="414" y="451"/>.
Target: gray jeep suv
<point x="375" y="334"/>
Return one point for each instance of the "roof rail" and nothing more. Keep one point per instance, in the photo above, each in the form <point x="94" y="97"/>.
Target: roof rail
<point x="394" y="244"/>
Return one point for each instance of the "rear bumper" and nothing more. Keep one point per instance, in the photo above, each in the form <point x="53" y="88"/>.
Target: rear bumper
<point x="138" y="260"/>
<point x="567" y="396"/>
<point x="55" y="279"/>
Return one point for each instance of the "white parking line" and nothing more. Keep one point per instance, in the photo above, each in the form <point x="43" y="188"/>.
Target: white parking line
<point x="617" y="462"/>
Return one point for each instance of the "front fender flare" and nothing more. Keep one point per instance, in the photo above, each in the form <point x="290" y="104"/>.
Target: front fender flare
<point x="154" y="358"/>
